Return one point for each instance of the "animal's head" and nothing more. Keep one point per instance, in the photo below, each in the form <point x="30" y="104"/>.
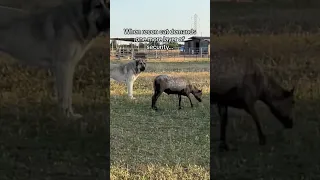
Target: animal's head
<point x="97" y="13"/>
<point x="141" y="64"/>
<point x="197" y="93"/>
<point x="283" y="108"/>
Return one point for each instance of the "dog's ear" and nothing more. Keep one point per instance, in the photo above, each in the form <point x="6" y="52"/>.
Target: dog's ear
<point x="137" y="61"/>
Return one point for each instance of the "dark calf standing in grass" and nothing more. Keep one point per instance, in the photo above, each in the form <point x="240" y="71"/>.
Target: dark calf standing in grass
<point x="174" y="85"/>
<point x="240" y="84"/>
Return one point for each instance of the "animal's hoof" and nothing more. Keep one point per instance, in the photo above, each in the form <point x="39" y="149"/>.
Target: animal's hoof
<point x="179" y="108"/>
<point x="132" y="98"/>
<point x="262" y="140"/>
<point x="223" y="147"/>
<point x="155" y="108"/>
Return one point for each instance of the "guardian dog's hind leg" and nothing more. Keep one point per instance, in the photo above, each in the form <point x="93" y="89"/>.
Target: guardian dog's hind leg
<point x="64" y="81"/>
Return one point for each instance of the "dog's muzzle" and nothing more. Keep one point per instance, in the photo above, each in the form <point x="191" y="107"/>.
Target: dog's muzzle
<point x="142" y="68"/>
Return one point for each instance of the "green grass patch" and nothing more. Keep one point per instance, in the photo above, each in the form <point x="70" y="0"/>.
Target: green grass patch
<point x="160" y="141"/>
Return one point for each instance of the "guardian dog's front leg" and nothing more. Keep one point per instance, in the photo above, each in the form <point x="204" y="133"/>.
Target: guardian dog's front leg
<point x="64" y="80"/>
<point x="130" y="88"/>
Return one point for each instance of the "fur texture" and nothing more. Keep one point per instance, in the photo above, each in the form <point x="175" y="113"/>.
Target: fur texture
<point x="127" y="73"/>
<point x="174" y="85"/>
<point x="239" y="84"/>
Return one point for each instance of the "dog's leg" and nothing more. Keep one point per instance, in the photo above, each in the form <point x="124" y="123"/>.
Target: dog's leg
<point x="130" y="82"/>
<point x="64" y="81"/>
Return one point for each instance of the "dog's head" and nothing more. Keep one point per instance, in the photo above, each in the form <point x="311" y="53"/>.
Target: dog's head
<point x="140" y="65"/>
<point x="97" y="13"/>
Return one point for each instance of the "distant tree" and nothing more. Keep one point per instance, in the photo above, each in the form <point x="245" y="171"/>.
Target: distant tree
<point x="173" y="44"/>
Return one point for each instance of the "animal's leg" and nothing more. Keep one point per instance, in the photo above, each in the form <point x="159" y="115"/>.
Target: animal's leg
<point x="251" y="110"/>
<point x="223" y="112"/>
<point x="64" y="80"/>
<point x="179" y="96"/>
<point x="130" y="88"/>
<point x="155" y="98"/>
<point x="190" y="100"/>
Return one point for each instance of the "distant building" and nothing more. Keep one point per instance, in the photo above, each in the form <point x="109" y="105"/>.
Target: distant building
<point x="181" y="48"/>
<point x="196" y="45"/>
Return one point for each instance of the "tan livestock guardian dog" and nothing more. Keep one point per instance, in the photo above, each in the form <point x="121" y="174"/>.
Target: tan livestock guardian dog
<point x="57" y="38"/>
<point x="127" y="73"/>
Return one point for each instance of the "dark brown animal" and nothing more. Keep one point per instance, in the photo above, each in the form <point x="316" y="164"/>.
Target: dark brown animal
<point x="174" y="85"/>
<point x="239" y="84"/>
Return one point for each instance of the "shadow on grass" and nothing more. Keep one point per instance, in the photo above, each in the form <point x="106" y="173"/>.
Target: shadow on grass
<point x="289" y="154"/>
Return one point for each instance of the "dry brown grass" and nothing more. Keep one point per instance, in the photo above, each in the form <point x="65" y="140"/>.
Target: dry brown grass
<point x="160" y="172"/>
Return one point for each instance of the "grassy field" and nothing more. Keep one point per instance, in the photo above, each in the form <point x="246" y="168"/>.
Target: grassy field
<point x="168" y="144"/>
<point x="34" y="142"/>
<point x="293" y="59"/>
